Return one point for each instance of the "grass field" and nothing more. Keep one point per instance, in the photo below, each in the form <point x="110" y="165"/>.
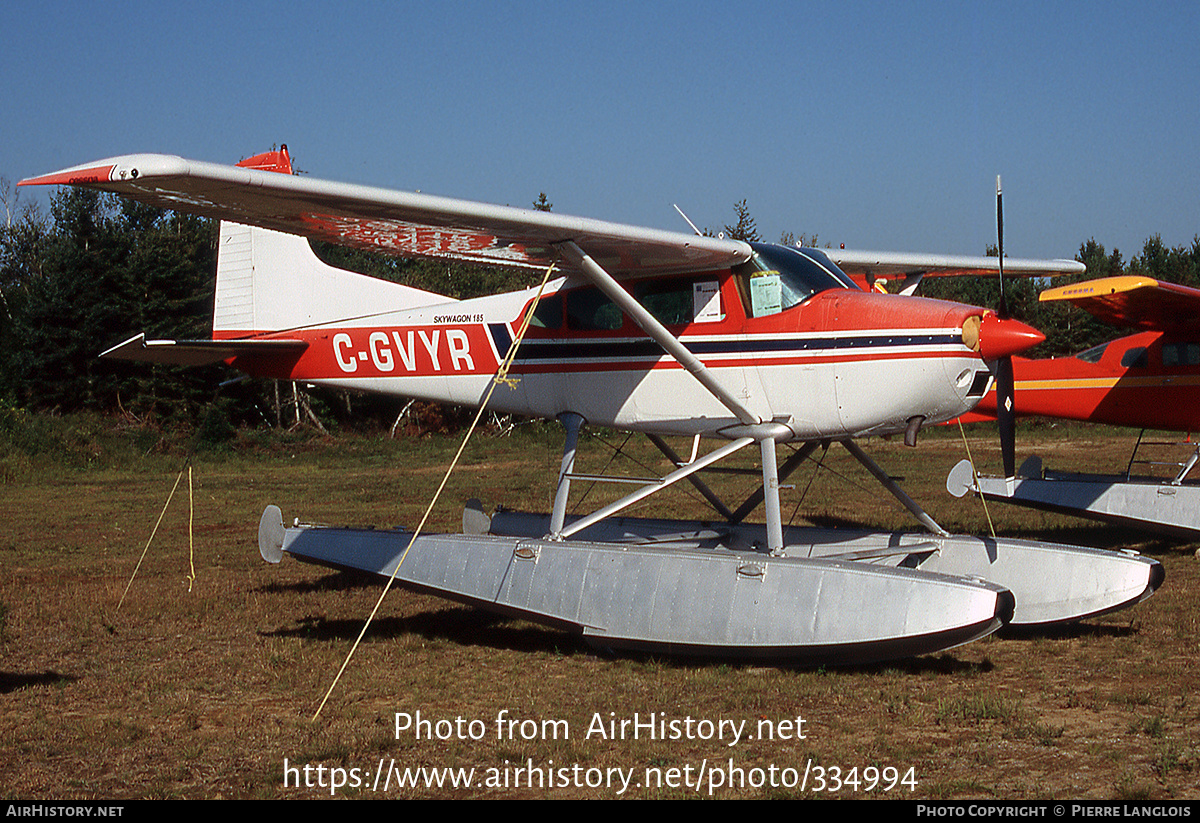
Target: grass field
<point x="206" y="687"/>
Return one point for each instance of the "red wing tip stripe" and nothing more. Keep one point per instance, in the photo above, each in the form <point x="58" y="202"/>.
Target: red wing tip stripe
<point x="71" y="177"/>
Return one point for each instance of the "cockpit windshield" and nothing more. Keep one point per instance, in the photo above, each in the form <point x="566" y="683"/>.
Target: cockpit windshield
<point x="1093" y="354"/>
<point x="775" y="278"/>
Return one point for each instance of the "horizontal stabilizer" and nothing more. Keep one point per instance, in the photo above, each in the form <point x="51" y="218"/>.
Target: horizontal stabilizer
<point x="201" y="352"/>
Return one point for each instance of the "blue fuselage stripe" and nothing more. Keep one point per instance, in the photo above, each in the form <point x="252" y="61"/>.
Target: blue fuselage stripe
<point x="593" y="349"/>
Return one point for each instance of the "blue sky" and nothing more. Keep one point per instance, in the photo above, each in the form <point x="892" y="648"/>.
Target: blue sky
<point x="876" y="125"/>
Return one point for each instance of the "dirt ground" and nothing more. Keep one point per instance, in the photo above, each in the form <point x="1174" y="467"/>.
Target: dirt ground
<point x="199" y="675"/>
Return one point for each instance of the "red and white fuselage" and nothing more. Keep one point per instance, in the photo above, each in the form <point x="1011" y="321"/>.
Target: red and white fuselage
<point x="841" y="363"/>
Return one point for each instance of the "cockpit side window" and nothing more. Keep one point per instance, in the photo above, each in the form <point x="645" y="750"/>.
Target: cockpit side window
<point x="670" y="302"/>
<point x="591" y="310"/>
<point x="681" y="301"/>
<point x="776" y="278"/>
<point x="1093" y="354"/>
<point x="1135" y="358"/>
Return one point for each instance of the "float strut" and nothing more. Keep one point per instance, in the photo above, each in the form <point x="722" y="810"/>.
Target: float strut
<point x="890" y="485"/>
<point x="572" y="422"/>
<point x="770" y="470"/>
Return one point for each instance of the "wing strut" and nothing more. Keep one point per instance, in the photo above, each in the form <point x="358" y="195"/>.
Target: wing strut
<point x="646" y="321"/>
<point x="753" y="427"/>
<point x="890" y="484"/>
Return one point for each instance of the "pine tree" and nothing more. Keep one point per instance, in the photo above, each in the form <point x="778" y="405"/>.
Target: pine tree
<point x="744" y="229"/>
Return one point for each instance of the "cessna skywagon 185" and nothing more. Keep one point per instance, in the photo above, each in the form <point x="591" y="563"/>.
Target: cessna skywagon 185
<point x="715" y="339"/>
<point x="1150" y="379"/>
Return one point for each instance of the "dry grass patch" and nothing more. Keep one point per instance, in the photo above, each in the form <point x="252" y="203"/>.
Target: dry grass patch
<point x="204" y="693"/>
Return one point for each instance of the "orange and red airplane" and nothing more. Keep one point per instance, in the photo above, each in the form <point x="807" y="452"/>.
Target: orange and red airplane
<point x="1149" y="380"/>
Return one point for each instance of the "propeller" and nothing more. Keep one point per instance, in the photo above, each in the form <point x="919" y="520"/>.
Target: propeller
<point x="1005" y="412"/>
<point x="996" y="338"/>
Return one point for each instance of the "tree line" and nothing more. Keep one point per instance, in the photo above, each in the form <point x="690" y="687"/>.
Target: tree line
<point x="98" y="269"/>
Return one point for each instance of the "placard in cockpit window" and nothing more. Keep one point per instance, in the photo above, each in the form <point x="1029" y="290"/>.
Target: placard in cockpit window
<point x="706" y="302"/>
<point x="766" y="293"/>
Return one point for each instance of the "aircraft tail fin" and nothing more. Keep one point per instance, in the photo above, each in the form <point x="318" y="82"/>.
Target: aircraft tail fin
<point x="270" y="281"/>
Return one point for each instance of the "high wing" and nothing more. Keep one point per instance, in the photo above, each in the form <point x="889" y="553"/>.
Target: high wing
<point x="874" y="266"/>
<point x="1134" y="302"/>
<point x="890" y="264"/>
<point x="404" y="223"/>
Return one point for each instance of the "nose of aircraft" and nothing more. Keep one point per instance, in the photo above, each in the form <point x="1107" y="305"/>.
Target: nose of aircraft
<point x="995" y="337"/>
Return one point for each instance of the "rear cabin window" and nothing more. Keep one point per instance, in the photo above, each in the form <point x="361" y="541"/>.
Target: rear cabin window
<point x="1181" y="354"/>
<point x="591" y="310"/>
<point x="548" y="314"/>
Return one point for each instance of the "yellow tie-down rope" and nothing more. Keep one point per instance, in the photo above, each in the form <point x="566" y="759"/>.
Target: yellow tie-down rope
<point x="191" y="578"/>
<point x="501" y="376"/>
<point x="975" y="479"/>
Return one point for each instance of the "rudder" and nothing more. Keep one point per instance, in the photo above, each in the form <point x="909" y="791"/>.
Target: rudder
<point x="269" y="281"/>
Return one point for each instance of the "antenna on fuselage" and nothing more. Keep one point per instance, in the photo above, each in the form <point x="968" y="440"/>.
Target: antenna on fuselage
<point x="689" y="222"/>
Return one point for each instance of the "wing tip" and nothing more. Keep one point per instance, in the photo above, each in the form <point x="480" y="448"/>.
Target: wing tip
<point x="1098" y="288"/>
<point x="125" y="169"/>
<point x="75" y="176"/>
<point x="274" y="160"/>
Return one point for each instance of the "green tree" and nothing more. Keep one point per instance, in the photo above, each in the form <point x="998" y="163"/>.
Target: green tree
<point x="105" y="270"/>
<point x="788" y="238"/>
<point x="1069" y="329"/>
<point x="458" y="281"/>
<point x="744" y="228"/>
<point x="21" y="246"/>
<point x="1174" y="265"/>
